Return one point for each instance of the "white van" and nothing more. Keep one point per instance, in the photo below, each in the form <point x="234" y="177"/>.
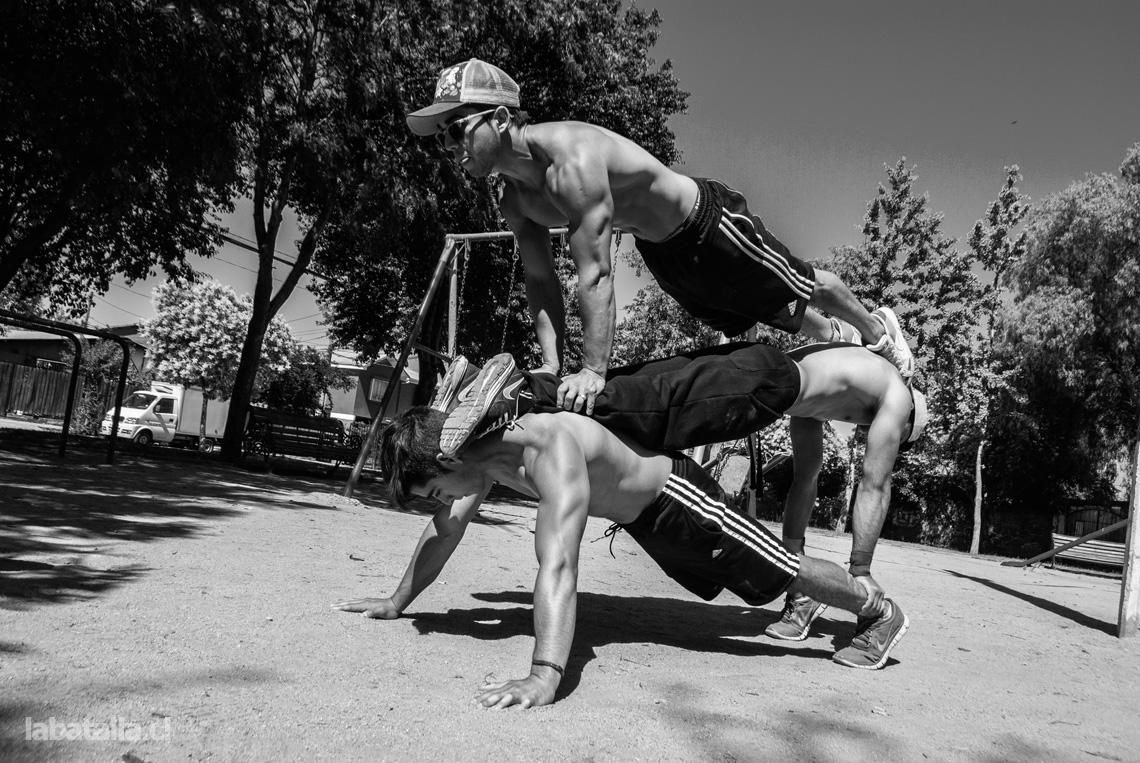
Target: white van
<point x="169" y="413"/>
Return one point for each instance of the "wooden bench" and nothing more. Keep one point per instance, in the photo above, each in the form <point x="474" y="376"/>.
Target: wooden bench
<point x="270" y="433"/>
<point x="1102" y="552"/>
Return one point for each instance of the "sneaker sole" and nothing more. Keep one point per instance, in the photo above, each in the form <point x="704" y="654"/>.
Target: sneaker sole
<point x="886" y="652"/>
<point x="463" y="420"/>
<point x="894" y="328"/>
<point x="815" y="615"/>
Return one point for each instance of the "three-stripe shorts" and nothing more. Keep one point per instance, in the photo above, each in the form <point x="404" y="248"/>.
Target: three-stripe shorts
<point x="708" y="546"/>
<point x="727" y="270"/>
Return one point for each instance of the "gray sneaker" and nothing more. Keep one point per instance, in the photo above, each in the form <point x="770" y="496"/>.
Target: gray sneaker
<point x="893" y="346"/>
<point x="494" y="399"/>
<point x="798" y="615"/>
<point x="874" y="639"/>
<point x="448" y="389"/>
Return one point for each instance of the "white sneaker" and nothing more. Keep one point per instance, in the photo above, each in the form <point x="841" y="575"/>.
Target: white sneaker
<point x="447" y="392"/>
<point x="893" y="345"/>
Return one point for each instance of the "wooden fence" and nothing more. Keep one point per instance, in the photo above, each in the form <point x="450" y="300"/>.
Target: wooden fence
<point x="42" y="392"/>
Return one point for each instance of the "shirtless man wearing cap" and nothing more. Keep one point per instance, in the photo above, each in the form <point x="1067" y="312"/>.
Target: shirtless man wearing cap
<point x="697" y="236"/>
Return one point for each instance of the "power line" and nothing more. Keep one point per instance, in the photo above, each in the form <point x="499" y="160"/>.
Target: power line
<point x="120" y="309"/>
<point x="251" y="248"/>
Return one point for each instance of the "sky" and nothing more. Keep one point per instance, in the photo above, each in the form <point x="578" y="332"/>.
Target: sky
<point x="801" y="105"/>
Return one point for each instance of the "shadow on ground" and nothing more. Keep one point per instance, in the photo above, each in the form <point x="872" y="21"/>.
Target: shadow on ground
<point x="1080" y="618"/>
<point x="604" y="619"/>
<point x="67" y="524"/>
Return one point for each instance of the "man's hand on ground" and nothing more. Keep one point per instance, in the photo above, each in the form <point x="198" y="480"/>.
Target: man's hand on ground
<point x="531" y="691"/>
<point x="876" y="596"/>
<point x="580" y="389"/>
<point x="379" y="609"/>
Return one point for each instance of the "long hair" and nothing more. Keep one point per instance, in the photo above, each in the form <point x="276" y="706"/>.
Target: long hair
<point x="408" y="447"/>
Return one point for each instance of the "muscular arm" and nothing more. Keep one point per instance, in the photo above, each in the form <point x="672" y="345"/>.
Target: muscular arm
<point x="807" y="461"/>
<point x="543" y="291"/>
<point x="582" y="191"/>
<point x="558" y="470"/>
<point x="874" y="494"/>
<point x="437" y="542"/>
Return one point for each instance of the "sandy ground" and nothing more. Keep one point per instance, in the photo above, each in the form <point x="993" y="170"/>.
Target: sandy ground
<point x="186" y="600"/>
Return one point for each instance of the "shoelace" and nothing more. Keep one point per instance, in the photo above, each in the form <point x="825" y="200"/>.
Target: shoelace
<point x="610" y="532"/>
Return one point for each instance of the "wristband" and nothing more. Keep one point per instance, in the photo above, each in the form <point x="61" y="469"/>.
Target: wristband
<point x="556" y="668"/>
<point x="860" y="563"/>
<point x="600" y="374"/>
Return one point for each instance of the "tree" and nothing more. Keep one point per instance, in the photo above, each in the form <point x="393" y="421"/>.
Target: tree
<point x="304" y="386"/>
<point x="99" y="367"/>
<point x="116" y="143"/>
<point x="655" y="326"/>
<point x="582" y="60"/>
<point x="997" y="247"/>
<point x="1074" y="339"/>
<point x="323" y="136"/>
<point x="906" y="262"/>
<point x="196" y="339"/>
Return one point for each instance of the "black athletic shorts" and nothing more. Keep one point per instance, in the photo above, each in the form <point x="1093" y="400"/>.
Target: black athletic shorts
<point x="727" y="270"/>
<point x="706" y="545"/>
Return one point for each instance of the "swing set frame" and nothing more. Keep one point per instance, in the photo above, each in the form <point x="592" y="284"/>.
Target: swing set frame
<point x="453" y="244"/>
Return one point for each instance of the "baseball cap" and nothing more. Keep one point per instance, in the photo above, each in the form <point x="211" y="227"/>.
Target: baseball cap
<point x="471" y="82"/>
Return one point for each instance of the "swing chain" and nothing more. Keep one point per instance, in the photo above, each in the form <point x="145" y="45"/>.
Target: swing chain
<point x="510" y="296"/>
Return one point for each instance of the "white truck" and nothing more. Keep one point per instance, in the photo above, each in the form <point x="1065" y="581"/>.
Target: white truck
<point x="171" y="414"/>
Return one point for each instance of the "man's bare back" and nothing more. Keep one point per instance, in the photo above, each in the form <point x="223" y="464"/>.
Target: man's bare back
<point x="649" y="200"/>
<point x="849" y="384"/>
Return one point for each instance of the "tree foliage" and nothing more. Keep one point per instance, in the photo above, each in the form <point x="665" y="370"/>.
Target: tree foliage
<point x="195" y="336"/>
<point x="1073" y="341"/>
<point x="116" y="143"/>
<point x="573" y="60"/>
<point x="907" y="263"/>
<point x="304" y="386"/>
<point x="655" y="326"/>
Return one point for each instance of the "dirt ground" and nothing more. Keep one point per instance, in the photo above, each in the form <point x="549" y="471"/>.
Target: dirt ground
<point x="174" y="597"/>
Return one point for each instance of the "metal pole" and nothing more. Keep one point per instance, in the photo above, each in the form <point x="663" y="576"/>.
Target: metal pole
<point x="453" y="306"/>
<point x="118" y="401"/>
<point x="1129" y="621"/>
<point x="374" y="429"/>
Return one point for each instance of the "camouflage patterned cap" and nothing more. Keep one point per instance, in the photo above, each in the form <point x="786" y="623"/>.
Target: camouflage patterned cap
<point x="472" y="82"/>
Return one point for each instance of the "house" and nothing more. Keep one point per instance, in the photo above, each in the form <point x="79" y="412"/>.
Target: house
<point x="40" y="349"/>
<point x="361" y="402"/>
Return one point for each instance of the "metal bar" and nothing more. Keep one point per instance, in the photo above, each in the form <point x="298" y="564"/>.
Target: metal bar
<point x="1065" y="547"/>
<point x="72" y="383"/>
<point x="44" y="322"/>
<point x="1129" y="621"/>
<point x="440" y="268"/>
<point x="453" y="306"/>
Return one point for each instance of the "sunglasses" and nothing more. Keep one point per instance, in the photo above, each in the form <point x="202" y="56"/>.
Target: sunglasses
<point x="457" y="128"/>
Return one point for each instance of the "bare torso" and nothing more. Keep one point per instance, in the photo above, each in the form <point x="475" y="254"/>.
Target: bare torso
<point x="624" y="478"/>
<point x="847" y="384"/>
<point x="649" y="200"/>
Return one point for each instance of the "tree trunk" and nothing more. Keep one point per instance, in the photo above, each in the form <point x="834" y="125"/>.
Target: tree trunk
<point x="243" y="385"/>
<point x="849" y="490"/>
<point x="976" y="539"/>
<point x="202" y="423"/>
